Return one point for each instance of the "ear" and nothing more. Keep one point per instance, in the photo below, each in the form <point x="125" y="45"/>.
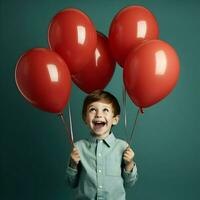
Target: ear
<point x="115" y="120"/>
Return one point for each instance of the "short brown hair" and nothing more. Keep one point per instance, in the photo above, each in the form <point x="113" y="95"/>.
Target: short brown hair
<point x="98" y="95"/>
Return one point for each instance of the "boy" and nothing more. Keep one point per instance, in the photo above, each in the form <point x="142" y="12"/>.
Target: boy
<point x="101" y="166"/>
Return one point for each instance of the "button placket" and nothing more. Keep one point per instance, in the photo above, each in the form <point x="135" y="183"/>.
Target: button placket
<point x="99" y="168"/>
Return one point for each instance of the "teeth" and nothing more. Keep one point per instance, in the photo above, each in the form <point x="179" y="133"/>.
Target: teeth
<point x="99" y="122"/>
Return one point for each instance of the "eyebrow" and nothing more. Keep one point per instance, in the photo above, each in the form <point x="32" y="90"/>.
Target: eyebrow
<point x="103" y="107"/>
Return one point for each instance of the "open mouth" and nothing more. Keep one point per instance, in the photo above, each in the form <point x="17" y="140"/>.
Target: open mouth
<point x="99" y="124"/>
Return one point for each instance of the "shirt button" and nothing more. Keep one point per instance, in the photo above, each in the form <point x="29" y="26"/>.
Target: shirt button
<point x="99" y="171"/>
<point x="99" y="154"/>
<point x="101" y="141"/>
<point x="100" y="186"/>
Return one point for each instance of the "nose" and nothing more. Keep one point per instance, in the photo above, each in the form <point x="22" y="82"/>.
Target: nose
<point x="98" y="114"/>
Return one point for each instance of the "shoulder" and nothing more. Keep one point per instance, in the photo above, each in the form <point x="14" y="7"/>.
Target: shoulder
<point x="121" y="143"/>
<point x="82" y="143"/>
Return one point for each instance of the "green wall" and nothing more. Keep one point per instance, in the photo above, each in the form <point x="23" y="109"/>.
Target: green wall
<point x="33" y="145"/>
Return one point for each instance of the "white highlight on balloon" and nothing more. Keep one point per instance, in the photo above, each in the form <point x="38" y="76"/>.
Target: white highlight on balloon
<point x="141" y="29"/>
<point x="81" y="34"/>
<point x="161" y="62"/>
<point x="97" y="55"/>
<point x="53" y="72"/>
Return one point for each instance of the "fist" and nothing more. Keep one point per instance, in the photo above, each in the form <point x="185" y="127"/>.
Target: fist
<point x="74" y="157"/>
<point x="128" y="157"/>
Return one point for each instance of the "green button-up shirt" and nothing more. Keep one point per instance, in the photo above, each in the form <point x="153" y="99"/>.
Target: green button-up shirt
<point x="101" y="174"/>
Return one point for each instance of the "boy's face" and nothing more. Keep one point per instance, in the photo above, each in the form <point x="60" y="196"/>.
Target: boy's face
<point x="100" y="118"/>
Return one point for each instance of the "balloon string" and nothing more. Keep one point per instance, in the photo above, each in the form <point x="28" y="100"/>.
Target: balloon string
<point x="134" y="125"/>
<point x="124" y="109"/>
<point x="70" y="121"/>
<point x="67" y="129"/>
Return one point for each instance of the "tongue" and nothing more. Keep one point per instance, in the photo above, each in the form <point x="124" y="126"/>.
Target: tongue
<point x="99" y="125"/>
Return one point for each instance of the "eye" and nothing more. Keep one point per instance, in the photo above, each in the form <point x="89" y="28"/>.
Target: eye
<point x="92" y="109"/>
<point x="105" y="110"/>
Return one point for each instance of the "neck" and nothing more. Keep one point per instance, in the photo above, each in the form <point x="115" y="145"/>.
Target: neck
<point x="102" y="136"/>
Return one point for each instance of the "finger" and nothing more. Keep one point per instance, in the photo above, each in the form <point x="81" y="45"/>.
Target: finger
<point x="76" y="152"/>
<point x="76" y="157"/>
<point x="131" y="153"/>
<point x="128" y="153"/>
<point x="74" y="149"/>
<point x="129" y="149"/>
<point x="128" y="157"/>
<point x="125" y="157"/>
<point x="126" y="160"/>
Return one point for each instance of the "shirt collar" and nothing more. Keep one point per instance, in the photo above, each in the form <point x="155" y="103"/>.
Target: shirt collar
<point x="108" y="140"/>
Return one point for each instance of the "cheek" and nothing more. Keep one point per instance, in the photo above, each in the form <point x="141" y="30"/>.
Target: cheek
<point x="111" y="120"/>
<point x="89" y="118"/>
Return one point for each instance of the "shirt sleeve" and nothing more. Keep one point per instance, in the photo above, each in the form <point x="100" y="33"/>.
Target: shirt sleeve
<point x="72" y="176"/>
<point x="130" y="177"/>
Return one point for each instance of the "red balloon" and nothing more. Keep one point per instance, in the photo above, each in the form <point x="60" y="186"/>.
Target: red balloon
<point x="43" y="79"/>
<point x="131" y="26"/>
<point x="99" y="70"/>
<point x="151" y="72"/>
<point x="73" y="35"/>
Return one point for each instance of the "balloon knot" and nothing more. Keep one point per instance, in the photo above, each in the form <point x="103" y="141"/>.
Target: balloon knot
<point x="141" y="110"/>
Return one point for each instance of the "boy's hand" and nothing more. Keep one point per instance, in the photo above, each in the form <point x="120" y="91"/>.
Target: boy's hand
<point x="75" y="158"/>
<point x="128" y="156"/>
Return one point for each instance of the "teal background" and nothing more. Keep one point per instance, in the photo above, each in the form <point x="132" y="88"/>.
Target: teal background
<point x="33" y="145"/>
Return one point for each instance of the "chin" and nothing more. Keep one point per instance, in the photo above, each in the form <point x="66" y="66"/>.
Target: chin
<point x="96" y="133"/>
